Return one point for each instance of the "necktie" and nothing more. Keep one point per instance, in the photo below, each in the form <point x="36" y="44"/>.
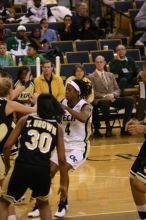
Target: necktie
<point x="103" y="78"/>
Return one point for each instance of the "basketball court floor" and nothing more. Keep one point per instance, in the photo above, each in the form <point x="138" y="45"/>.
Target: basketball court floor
<point x="99" y="189"/>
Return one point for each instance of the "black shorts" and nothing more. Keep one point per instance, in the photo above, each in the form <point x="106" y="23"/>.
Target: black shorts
<point x="24" y="176"/>
<point x="138" y="168"/>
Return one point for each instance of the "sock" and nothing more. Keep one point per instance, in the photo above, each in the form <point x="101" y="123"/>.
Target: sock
<point x="12" y="217"/>
<point x="141" y="208"/>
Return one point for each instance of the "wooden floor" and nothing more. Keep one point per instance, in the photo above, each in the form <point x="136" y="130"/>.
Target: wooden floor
<point x="99" y="189"/>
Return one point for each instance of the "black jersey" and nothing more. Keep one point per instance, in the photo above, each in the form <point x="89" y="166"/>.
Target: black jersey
<point x="6" y="123"/>
<point x="38" y="138"/>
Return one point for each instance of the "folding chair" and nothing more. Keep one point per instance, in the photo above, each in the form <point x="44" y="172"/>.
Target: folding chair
<point x="66" y="70"/>
<point x="89" y="67"/>
<point x="64" y="46"/>
<point x="77" y="57"/>
<point x="12" y="70"/>
<point x="86" y="45"/>
<point x="111" y="43"/>
<point x="139" y="3"/>
<point x="134" y="53"/>
<point x="108" y="55"/>
<point x="123" y="6"/>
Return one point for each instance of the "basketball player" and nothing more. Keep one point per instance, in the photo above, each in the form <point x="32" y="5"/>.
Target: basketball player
<point x="38" y="135"/>
<point x="76" y="124"/>
<point x="7" y="108"/>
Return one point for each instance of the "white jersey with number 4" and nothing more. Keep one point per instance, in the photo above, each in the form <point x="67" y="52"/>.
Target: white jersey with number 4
<point x="76" y="133"/>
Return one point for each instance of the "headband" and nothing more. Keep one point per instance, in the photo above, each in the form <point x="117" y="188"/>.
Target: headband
<point x="75" y="86"/>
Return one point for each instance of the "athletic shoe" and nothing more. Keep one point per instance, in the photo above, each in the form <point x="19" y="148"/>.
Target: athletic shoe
<point x="62" y="210"/>
<point x="22" y="198"/>
<point x="34" y="213"/>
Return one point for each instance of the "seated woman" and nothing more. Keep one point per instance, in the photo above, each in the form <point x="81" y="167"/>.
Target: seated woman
<point x="79" y="73"/>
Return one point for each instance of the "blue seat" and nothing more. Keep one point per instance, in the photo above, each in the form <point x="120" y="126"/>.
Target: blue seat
<point x="12" y="71"/>
<point x="140" y="64"/>
<point x="78" y="57"/>
<point x="67" y="69"/>
<point x="134" y="53"/>
<point x="139" y="3"/>
<point x="86" y="45"/>
<point x="108" y="55"/>
<point x="89" y="67"/>
<point x="64" y="46"/>
<point x="123" y="6"/>
<point x="111" y="43"/>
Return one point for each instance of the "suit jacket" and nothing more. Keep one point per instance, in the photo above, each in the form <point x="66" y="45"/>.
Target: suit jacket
<point x="101" y="88"/>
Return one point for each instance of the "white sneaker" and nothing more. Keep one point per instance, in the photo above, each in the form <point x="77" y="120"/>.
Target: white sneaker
<point x="62" y="210"/>
<point x="139" y="43"/>
<point x="21" y="199"/>
<point x="34" y="213"/>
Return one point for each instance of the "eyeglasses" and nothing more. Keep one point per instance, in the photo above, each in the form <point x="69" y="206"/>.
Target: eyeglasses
<point x="99" y="62"/>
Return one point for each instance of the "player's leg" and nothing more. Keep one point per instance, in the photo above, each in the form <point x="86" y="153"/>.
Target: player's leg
<point x="44" y="209"/>
<point x="4" y="209"/>
<point x="138" y="190"/>
<point x="35" y="211"/>
<point x="138" y="182"/>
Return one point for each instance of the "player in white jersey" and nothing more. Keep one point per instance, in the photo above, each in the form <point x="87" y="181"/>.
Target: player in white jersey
<point x="76" y="124"/>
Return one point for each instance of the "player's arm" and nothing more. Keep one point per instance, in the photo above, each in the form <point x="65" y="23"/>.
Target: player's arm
<point x="62" y="163"/>
<point x="13" y="106"/>
<point x="81" y="116"/>
<point x="12" y="140"/>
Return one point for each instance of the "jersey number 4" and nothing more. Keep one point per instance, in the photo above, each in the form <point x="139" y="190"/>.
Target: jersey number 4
<point x="42" y="141"/>
<point x="67" y="128"/>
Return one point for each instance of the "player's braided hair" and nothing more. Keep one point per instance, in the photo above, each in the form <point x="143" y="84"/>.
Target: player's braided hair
<point x="85" y="87"/>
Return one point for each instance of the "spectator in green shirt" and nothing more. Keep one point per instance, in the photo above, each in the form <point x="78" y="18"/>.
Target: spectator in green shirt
<point x="5" y="59"/>
<point x="30" y="58"/>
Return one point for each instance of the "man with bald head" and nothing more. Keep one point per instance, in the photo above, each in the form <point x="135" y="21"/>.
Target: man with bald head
<point x="107" y="94"/>
<point x="125" y="68"/>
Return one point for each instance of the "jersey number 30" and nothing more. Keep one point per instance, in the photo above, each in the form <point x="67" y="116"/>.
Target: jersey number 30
<point x="42" y="141"/>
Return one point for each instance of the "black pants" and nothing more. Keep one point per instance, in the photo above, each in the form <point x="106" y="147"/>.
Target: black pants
<point x="126" y="103"/>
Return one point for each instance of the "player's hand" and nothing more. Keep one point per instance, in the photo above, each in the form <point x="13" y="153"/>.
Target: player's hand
<point x="28" y="76"/>
<point x="33" y="98"/>
<point x="136" y="129"/>
<point x="63" y="192"/>
<point x="63" y="106"/>
<point x="132" y="121"/>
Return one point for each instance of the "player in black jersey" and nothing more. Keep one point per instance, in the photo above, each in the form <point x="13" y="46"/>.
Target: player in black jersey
<point x="38" y="136"/>
<point x="7" y="108"/>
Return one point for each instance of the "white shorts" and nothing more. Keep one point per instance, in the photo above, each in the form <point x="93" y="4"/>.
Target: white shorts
<point x="74" y="157"/>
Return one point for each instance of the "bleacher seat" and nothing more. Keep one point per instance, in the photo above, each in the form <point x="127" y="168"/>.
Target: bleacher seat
<point x="86" y="45"/>
<point x="77" y="57"/>
<point x="123" y="6"/>
<point x="139" y="3"/>
<point x="64" y="46"/>
<point x="140" y="64"/>
<point x="111" y="43"/>
<point x="108" y="55"/>
<point x="66" y="70"/>
<point x="89" y="67"/>
<point x="134" y="53"/>
<point x="31" y="26"/>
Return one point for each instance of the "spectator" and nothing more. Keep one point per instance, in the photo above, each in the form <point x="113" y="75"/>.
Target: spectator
<point x="140" y="21"/>
<point x="5" y="59"/>
<point x="46" y="32"/>
<point x="48" y="82"/>
<point x="107" y="94"/>
<point x="4" y="32"/>
<point x="30" y="58"/>
<point x="18" y="44"/>
<point x="79" y="73"/>
<point x="68" y="32"/>
<point x="89" y="31"/>
<point x="37" y="12"/>
<point x="24" y="96"/>
<point x="125" y="68"/>
<point x="79" y="17"/>
<point x="35" y="38"/>
<point x="5" y="14"/>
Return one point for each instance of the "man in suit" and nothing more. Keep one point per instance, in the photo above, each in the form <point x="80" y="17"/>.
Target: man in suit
<point x="107" y="94"/>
